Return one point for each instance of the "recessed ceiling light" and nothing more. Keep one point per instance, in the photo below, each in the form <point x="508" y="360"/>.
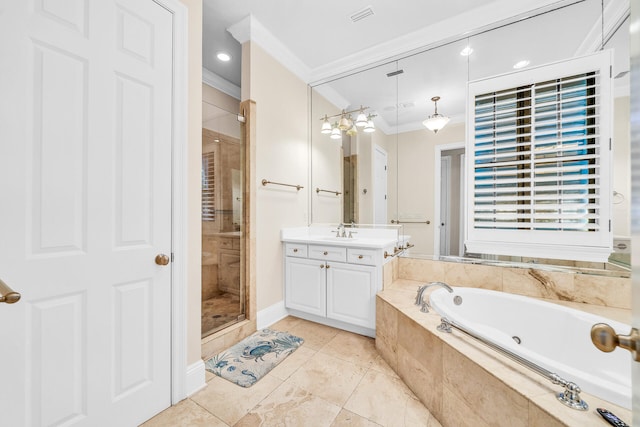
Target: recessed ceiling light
<point x="520" y="64"/>
<point x="223" y="56"/>
<point x="466" y="51"/>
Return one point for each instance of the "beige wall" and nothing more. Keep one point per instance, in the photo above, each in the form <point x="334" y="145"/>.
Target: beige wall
<point x="282" y="155"/>
<point x="194" y="162"/>
<point x="621" y="167"/>
<point x="416" y="177"/>
<point x="220" y="99"/>
<point x="326" y="166"/>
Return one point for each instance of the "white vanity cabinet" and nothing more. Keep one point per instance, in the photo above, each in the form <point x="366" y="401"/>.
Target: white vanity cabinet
<point x="334" y="285"/>
<point x="351" y="293"/>
<point x="305" y="285"/>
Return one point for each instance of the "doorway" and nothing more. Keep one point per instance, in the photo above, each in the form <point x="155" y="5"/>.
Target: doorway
<point x="223" y="293"/>
<point x="449" y="200"/>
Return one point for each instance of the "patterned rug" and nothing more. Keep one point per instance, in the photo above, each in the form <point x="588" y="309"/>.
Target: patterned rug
<point x="249" y="360"/>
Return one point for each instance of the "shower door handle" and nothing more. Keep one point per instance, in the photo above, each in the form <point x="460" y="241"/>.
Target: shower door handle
<point x="605" y="338"/>
<point x="8" y="295"/>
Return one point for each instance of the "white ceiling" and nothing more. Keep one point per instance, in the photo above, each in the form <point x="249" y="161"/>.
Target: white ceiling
<point x="320" y="41"/>
<point x="321" y="33"/>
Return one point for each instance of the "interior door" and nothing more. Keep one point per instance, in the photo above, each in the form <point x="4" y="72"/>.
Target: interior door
<point x="85" y="173"/>
<point x="380" y="186"/>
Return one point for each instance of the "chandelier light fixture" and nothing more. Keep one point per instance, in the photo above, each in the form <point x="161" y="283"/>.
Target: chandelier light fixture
<point x="436" y="121"/>
<point x="345" y="123"/>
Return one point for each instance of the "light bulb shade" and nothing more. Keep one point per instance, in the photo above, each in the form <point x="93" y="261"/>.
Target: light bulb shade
<point x="326" y="127"/>
<point x="335" y="133"/>
<point x="344" y="123"/>
<point x="436" y="122"/>
<point x="361" y="120"/>
<point x="353" y="131"/>
<point x="369" y="127"/>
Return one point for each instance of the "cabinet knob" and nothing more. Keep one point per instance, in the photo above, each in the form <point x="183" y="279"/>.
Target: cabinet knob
<point x="295" y="250"/>
<point x="322" y="266"/>
<point x="328" y="266"/>
<point x="326" y="253"/>
<point x="360" y="257"/>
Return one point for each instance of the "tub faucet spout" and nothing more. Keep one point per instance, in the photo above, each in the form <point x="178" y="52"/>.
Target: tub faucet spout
<point x="423" y="288"/>
<point x="442" y="284"/>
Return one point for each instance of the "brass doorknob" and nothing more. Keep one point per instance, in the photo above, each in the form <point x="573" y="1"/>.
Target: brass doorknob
<point x="7" y="294"/>
<point x="605" y="338"/>
<point x="162" y="259"/>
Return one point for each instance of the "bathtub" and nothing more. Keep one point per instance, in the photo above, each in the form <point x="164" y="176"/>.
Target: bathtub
<point x="552" y="336"/>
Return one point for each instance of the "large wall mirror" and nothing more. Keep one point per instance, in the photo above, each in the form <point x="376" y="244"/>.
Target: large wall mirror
<point x="397" y="171"/>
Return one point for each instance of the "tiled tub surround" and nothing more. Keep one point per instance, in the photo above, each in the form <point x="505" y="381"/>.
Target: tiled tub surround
<point x="464" y="383"/>
<point x="552" y="336"/>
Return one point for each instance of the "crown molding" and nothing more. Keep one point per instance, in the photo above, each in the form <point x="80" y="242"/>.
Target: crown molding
<point x="615" y="12"/>
<point x="331" y="95"/>
<point x="498" y="13"/>
<point x="250" y="29"/>
<point x="220" y="83"/>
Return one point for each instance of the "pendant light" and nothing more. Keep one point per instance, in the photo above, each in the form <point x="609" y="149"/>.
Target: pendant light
<point x="436" y="121"/>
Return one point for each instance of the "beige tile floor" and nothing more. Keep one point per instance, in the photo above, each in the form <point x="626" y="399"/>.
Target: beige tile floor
<point x="335" y="378"/>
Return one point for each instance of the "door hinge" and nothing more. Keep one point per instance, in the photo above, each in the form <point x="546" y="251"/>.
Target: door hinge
<point x="609" y="144"/>
<point x="385" y="197"/>
<point x="385" y="167"/>
<point x="171" y="256"/>
<point x="609" y="226"/>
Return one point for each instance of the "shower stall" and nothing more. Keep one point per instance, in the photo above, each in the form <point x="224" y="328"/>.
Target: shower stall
<point x="223" y="293"/>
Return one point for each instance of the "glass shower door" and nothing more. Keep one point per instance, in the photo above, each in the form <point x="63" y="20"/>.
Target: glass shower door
<point x="223" y="291"/>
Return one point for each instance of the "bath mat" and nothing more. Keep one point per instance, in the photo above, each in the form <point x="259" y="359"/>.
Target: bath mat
<point x="249" y="360"/>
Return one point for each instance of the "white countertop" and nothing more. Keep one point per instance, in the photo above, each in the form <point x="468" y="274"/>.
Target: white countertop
<point x="363" y="238"/>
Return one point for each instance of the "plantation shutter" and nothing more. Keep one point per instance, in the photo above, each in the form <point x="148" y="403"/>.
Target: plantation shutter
<point x="539" y="166"/>
<point x="208" y="186"/>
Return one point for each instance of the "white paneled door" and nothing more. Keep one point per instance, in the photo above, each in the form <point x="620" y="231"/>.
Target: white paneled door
<point x="85" y="208"/>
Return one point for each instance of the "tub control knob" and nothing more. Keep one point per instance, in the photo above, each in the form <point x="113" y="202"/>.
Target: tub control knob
<point x="605" y="338"/>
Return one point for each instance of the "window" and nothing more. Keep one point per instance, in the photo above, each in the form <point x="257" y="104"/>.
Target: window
<point x="540" y="179"/>
<point x="208" y="186"/>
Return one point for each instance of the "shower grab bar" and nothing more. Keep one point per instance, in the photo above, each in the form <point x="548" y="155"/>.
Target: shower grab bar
<point x="397" y="221"/>
<point x="571" y="394"/>
<point x="297" y="187"/>
<point x="337" y="193"/>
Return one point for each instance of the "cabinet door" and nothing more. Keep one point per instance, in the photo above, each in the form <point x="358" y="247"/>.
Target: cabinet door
<point x="351" y="294"/>
<point x="305" y="288"/>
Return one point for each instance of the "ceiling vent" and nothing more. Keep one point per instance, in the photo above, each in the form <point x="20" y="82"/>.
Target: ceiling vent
<point x="362" y="14"/>
<point x="395" y="73"/>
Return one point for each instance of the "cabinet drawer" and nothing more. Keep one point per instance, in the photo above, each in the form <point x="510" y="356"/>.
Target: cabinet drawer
<point x="295" y="249"/>
<point x="328" y="253"/>
<point x="361" y="256"/>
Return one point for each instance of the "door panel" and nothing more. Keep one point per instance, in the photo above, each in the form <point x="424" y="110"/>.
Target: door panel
<point x="85" y="166"/>
<point x="305" y="281"/>
<point x="351" y="294"/>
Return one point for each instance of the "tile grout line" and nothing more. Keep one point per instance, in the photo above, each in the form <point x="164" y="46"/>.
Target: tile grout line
<point x="208" y="411"/>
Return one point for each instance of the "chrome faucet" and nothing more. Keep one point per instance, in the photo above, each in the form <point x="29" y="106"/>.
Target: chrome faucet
<point x="421" y="289"/>
<point x="340" y="230"/>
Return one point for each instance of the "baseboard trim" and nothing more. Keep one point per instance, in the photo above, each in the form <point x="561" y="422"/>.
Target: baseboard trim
<point x="196" y="379"/>
<point x="270" y="315"/>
